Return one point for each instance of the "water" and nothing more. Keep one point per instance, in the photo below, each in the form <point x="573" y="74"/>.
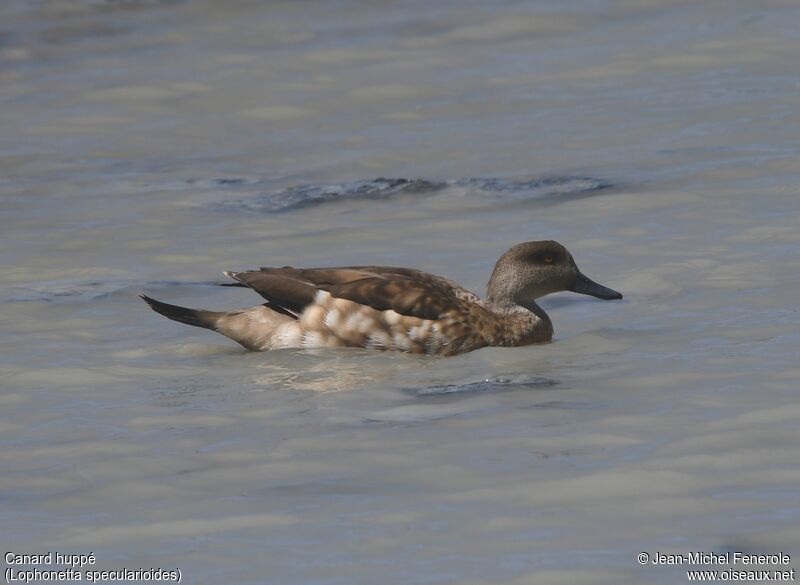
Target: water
<point x="146" y="146"/>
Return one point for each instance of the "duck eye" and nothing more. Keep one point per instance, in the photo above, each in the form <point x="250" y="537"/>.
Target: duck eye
<point x="548" y="259"/>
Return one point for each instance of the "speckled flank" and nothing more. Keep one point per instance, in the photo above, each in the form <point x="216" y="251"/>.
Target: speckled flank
<point x="332" y="322"/>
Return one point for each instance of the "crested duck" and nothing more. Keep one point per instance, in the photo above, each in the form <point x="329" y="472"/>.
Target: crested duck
<point x="402" y="309"/>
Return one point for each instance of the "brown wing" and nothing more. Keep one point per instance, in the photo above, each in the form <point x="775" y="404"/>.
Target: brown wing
<point x="283" y="294"/>
<point x="422" y="277"/>
<point x="406" y="291"/>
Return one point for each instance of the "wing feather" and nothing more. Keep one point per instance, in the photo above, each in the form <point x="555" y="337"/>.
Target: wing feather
<point x="285" y="295"/>
<point x="406" y="291"/>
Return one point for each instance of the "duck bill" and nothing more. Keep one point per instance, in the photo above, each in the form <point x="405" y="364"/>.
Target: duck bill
<point x="586" y="286"/>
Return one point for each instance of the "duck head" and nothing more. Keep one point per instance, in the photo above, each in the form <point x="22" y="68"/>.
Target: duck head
<point x="534" y="269"/>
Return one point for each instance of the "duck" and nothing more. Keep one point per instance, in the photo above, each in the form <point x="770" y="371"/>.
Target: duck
<point x="393" y="308"/>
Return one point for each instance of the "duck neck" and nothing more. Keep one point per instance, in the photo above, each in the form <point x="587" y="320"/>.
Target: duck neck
<point x="525" y="322"/>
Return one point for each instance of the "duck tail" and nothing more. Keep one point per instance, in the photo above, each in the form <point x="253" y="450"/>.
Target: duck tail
<point x="195" y="317"/>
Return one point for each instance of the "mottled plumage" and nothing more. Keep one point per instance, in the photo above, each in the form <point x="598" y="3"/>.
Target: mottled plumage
<point x="390" y="308"/>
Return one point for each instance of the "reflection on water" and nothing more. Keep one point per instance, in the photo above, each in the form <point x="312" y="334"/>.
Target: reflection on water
<point x="548" y="190"/>
<point x="146" y="146"/>
<point x="487" y="385"/>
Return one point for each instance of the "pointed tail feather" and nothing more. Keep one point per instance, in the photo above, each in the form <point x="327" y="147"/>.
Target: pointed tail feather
<point x="195" y="317"/>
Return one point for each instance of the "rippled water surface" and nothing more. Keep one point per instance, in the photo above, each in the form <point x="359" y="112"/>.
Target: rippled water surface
<point x="145" y="146"/>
